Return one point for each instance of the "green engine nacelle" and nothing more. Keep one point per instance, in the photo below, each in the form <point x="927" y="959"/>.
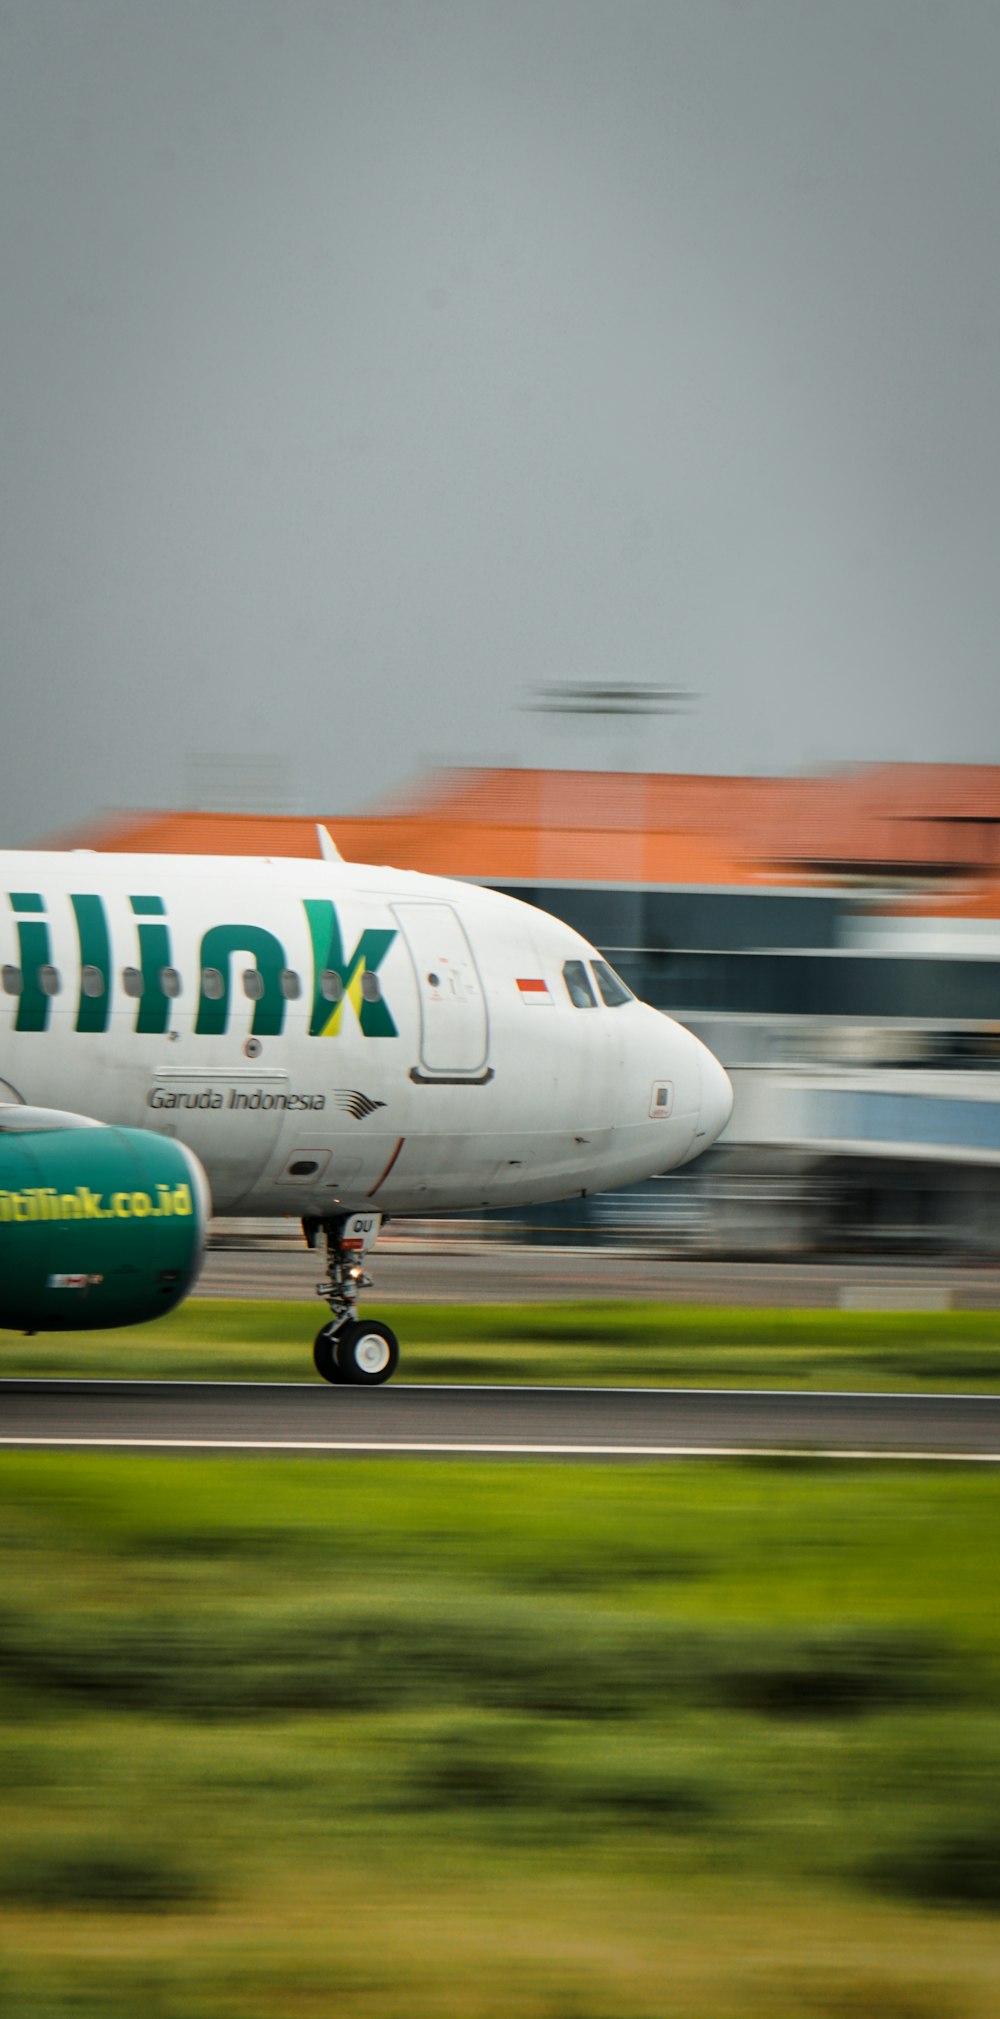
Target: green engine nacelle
<point x="98" y="1226"/>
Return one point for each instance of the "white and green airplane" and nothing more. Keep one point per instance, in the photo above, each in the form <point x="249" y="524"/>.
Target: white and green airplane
<point x="313" y="1038"/>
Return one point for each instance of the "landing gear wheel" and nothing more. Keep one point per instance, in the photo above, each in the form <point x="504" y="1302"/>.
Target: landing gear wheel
<point x="367" y="1353"/>
<point x="325" y="1355"/>
<point x="348" y="1349"/>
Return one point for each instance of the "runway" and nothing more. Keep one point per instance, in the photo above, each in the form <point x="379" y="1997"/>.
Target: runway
<point x="509" y="1422"/>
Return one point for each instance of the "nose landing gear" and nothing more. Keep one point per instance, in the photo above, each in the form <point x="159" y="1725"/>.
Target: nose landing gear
<point x="362" y="1352"/>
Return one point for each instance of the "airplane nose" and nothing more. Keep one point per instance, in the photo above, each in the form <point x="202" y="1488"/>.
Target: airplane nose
<point x="716" y="1103"/>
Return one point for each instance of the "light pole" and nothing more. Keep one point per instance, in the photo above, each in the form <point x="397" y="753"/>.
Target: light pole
<point x="587" y="699"/>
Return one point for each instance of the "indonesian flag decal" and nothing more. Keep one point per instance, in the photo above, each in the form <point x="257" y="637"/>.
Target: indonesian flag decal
<point x="533" y="989"/>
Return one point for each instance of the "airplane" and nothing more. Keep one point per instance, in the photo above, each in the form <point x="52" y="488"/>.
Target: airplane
<point x="336" y="1041"/>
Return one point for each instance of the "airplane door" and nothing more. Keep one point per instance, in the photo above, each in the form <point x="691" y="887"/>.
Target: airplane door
<point x="454" y="1025"/>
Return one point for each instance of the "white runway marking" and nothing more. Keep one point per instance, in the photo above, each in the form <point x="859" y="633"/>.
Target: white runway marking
<point x="452" y="1449"/>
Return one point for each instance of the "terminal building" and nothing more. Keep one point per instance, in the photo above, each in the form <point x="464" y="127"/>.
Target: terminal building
<point x="834" y="939"/>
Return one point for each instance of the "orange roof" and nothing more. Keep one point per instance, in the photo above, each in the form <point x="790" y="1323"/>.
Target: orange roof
<point x="929" y="824"/>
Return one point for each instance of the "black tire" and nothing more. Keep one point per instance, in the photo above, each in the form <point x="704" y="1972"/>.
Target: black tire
<point x="325" y="1355"/>
<point x="367" y="1353"/>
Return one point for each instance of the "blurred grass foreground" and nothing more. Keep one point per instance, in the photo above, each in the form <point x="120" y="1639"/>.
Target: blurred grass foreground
<point x="600" y="1343"/>
<point x="283" y="1739"/>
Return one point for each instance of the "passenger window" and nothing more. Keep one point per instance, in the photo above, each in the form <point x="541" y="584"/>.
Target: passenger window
<point x="371" y="987"/>
<point x="49" y="980"/>
<point x="611" y="985"/>
<point x="253" y="983"/>
<point x="331" y="986"/>
<point x="170" y="981"/>
<point x="578" y="985"/>
<point x="132" y="982"/>
<point x="92" y="982"/>
<point x="291" y="987"/>
<point x="13" y="981"/>
<point x="213" y="985"/>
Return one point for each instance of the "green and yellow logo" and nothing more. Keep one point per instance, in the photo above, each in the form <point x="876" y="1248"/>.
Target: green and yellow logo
<point x="341" y="981"/>
<point x="43" y="1202"/>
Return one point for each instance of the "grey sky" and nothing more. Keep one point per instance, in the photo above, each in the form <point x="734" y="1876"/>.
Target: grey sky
<point x="364" y="366"/>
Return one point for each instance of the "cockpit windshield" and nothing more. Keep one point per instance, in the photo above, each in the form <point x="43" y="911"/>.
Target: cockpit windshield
<point x="613" y="989"/>
<point x="578" y="985"/>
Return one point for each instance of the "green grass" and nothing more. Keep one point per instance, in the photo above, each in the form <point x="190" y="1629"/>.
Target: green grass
<point x="604" y="1343"/>
<point x="294" y="1738"/>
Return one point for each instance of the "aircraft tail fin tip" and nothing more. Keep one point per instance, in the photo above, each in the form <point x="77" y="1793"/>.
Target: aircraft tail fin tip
<point x="327" y="846"/>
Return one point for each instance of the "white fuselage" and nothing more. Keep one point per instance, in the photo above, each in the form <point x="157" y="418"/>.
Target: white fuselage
<point x="327" y="1036"/>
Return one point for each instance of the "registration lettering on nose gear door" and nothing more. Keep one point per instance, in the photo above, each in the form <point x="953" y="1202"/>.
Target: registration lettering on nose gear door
<point x="361" y="1232"/>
